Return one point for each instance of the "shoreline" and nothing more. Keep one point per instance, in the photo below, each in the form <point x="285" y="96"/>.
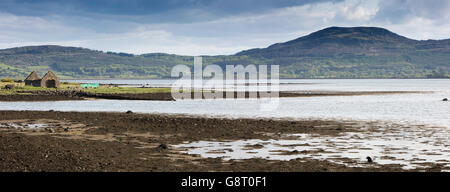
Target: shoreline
<point x="65" y="95"/>
<point x="104" y="141"/>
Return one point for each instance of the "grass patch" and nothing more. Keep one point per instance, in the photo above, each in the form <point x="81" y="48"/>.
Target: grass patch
<point x="20" y="87"/>
<point x="12" y="92"/>
<point x="7" y="80"/>
<point x="2" y="84"/>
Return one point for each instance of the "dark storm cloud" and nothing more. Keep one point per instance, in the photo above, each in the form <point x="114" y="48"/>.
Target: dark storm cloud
<point x="159" y="10"/>
<point x="200" y="27"/>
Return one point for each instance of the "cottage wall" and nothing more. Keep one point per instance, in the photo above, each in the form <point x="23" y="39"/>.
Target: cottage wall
<point x="50" y="80"/>
<point x="34" y="83"/>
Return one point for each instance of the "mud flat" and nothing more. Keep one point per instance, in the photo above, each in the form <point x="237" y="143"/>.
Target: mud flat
<point x="71" y="141"/>
<point x="64" y="95"/>
<point x="167" y="96"/>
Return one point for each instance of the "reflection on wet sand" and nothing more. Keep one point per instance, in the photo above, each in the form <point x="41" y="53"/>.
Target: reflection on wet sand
<point x="408" y="146"/>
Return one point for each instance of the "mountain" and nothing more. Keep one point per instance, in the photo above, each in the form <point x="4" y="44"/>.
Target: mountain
<point x="358" y="52"/>
<point x="72" y="62"/>
<point x="335" y="52"/>
<point x="336" y="41"/>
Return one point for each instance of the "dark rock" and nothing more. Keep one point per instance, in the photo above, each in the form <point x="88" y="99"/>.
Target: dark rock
<point x="162" y="146"/>
<point x="369" y="160"/>
<point x="445" y="99"/>
<point x="50" y="130"/>
<point x="129" y="112"/>
<point x="10" y="86"/>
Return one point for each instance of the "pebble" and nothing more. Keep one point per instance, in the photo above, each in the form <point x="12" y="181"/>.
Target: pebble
<point x="50" y="130"/>
<point x="163" y="146"/>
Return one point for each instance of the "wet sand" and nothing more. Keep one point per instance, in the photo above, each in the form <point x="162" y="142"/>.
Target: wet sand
<point x="72" y="141"/>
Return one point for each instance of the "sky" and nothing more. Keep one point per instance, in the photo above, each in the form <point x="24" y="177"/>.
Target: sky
<point x="206" y="27"/>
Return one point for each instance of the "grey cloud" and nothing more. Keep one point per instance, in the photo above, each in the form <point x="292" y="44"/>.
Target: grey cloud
<point x="398" y="11"/>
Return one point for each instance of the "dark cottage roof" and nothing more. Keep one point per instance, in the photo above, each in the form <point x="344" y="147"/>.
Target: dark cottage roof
<point x="33" y="76"/>
<point x="50" y="75"/>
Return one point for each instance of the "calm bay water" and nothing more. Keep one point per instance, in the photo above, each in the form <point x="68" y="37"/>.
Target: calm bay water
<point x="312" y="84"/>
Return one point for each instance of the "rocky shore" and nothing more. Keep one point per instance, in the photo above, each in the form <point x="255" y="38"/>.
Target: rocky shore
<point x="72" y="141"/>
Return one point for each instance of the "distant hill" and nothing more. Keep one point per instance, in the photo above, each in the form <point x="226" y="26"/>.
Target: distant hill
<point x="335" y="52"/>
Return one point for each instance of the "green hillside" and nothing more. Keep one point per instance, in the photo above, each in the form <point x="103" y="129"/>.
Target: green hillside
<point x="359" y="52"/>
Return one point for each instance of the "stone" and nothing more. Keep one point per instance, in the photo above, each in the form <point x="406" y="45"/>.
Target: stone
<point x="10" y="86"/>
<point x="163" y="146"/>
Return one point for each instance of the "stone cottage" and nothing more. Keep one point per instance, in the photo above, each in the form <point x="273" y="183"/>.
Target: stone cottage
<point x="33" y="80"/>
<point x="50" y="80"/>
